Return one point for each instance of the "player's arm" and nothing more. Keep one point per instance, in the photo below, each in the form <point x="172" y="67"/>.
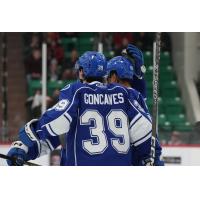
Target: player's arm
<point x="158" y="148"/>
<point x="39" y="135"/>
<point x="144" y="109"/>
<point x="140" y="135"/>
<point x="140" y="85"/>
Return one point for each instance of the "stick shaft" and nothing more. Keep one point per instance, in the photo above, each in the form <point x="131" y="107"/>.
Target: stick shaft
<point x="12" y="159"/>
<point x="156" y="63"/>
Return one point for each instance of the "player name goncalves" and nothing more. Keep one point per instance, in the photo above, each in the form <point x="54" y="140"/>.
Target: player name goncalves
<point x="103" y="99"/>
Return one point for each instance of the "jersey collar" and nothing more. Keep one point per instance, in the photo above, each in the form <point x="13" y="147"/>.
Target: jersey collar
<point x="95" y="83"/>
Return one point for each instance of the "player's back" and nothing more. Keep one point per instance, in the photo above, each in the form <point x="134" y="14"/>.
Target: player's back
<point x="101" y="132"/>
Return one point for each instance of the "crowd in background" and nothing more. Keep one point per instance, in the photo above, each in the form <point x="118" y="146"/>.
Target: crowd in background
<point x="61" y="67"/>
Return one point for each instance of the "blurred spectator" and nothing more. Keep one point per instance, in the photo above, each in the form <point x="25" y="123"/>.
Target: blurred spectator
<point x="121" y="40"/>
<point x="175" y="138"/>
<point x="70" y="62"/>
<point x="36" y="104"/>
<point x="33" y="65"/>
<point x="56" y="51"/>
<point x="35" y="41"/>
<point x="105" y="38"/>
<point x="68" y="67"/>
<point x="54" y="98"/>
<point x="144" y="40"/>
<point x="53" y="70"/>
<point x="52" y="36"/>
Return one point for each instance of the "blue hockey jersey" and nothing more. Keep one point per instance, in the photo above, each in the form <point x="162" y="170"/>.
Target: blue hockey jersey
<point x="140" y="104"/>
<point x="101" y="123"/>
<point x="140" y="86"/>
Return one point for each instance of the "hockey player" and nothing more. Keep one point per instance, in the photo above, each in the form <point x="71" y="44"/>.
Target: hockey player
<point x="121" y="70"/>
<point x="103" y="120"/>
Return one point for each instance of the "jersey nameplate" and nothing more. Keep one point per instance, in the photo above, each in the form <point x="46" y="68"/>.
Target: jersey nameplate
<point x="103" y="99"/>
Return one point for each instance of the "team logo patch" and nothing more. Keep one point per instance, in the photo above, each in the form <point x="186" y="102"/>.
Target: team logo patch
<point x="61" y="105"/>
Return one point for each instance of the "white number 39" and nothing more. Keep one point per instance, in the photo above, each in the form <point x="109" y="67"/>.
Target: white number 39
<point x="117" y="124"/>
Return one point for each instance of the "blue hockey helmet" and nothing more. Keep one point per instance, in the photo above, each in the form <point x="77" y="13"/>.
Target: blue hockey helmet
<point x="122" y="66"/>
<point x="93" y="64"/>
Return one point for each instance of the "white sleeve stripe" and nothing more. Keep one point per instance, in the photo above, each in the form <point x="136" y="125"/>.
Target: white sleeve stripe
<point x="135" y="119"/>
<point x="142" y="137"/>
<point x="143" y="140"/>
<point x="66" y="87"/>
<point x="59" y="126"/>
<point x="134" y="106"/>
<point x="49" y="129"/>
<point x="68" y="117"/>
<point x="140" y="129"/>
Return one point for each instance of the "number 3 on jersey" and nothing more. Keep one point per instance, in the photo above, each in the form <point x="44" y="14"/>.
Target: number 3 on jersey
<point x="117" y="123"/>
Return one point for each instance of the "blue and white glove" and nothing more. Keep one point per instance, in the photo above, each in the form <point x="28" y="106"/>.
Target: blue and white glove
<point x="18" y="152"/>
<point x="136" y="54"/>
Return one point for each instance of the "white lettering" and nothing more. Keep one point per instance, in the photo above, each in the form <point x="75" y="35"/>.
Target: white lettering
<point x="114" y="99"/>
<point x="86" y="98"/>
<point x="103" y="99"/>
<point x="91" y="99"/>
<point x="121" y="98"/>
<point x="96" y="99"/>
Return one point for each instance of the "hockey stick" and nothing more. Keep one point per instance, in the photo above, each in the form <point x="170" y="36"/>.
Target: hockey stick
<point x="14" y="160"/>
<point x="156" y="63"/>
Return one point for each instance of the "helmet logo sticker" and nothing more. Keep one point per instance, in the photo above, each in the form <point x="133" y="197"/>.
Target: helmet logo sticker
<point x="100" y="67"/>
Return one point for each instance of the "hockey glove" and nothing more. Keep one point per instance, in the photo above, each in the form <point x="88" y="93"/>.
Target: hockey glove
<point x="136" y="54"/>
<point x="18" y="153"/>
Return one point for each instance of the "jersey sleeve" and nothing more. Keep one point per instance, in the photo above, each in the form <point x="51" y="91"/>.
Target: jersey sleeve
<point x="56" y="120"/>
<point x="52" y="142"/>
<point x="158" y="148"/>
<point x="42" y="135"/>
<point x="138" y="148"/>
<point x="140" y="130"/>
